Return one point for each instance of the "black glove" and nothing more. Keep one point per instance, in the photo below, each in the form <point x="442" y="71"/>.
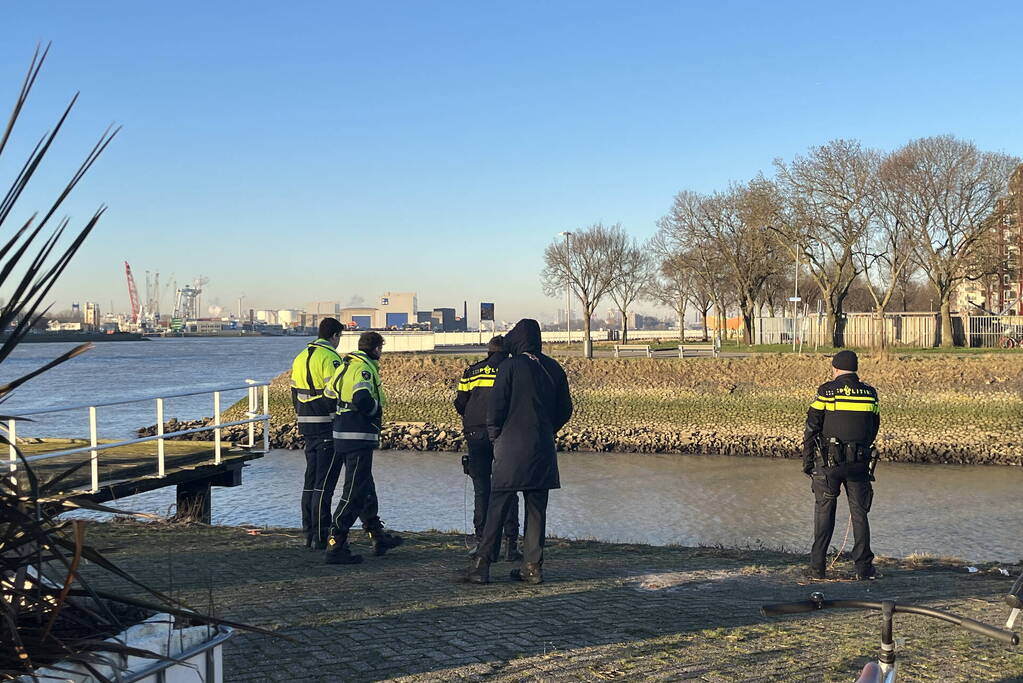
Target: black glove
<point x="808" y="470"/>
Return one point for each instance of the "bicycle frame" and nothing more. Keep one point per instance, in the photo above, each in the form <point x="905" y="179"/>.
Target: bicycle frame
<point x="886" y="658"/>
<point x="1014" y="601"/>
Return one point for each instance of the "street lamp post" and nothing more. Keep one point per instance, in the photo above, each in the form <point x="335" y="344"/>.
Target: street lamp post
<point x="568" y="287"/>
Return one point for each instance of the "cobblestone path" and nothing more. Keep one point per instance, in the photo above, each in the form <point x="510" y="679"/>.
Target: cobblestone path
<point x="606" y="612"/>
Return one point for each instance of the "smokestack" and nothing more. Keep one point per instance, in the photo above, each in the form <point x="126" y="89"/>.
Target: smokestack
<point x="465" y="313"/>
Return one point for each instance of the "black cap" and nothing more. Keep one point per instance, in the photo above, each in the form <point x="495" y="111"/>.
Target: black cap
<point x="496" y="344"/>
<point x="845" y="360"/>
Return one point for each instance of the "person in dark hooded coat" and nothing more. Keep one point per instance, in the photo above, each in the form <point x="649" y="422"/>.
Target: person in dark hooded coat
<point x="529" y="404"/>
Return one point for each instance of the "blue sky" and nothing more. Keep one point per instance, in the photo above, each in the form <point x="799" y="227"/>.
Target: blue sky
<point x="311" y="151"/>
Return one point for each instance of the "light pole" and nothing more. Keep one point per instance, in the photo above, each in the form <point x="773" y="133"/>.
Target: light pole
<point x="568" y="287"/>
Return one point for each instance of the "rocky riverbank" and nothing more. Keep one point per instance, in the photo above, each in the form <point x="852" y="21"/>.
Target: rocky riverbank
<point x="935" y="409"/>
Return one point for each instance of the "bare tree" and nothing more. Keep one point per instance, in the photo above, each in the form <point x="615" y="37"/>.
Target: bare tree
<point x="948" y="191"/>
<point x="672" y="286"/>
<point x="885" y="253"/>
<point x="732" y="226"/>
<point x="586" y="266"/>
<point x="677" y="239"/>
<point x="634" y="270"/>
<point x="828" y="209"/>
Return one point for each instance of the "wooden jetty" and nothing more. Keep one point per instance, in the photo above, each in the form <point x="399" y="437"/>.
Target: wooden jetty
<point x="127" y="470"/>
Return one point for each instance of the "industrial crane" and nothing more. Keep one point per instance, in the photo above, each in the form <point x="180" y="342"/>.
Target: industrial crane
<point x="133" y="295"/>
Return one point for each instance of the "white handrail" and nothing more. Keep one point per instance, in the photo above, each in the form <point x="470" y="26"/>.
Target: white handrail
<point x="141" y="439"/>
<point x="210" y="390"/>
<point x="252" y="416"/>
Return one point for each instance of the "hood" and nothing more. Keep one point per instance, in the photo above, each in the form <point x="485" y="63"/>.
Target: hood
<point x="524" y="337"/>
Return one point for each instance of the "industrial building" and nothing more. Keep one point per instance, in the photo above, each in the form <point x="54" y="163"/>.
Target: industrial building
<point x="397" y="309"/>
<point x="329" y="308"/>
<point x="359" y="318"/>
<point x="447" y="320"/>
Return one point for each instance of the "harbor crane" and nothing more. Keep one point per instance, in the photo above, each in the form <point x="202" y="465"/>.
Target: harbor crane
<point x="133" y="295"/>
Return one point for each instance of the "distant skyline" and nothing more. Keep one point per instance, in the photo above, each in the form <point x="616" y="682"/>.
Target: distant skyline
<point x="448" y="143"/>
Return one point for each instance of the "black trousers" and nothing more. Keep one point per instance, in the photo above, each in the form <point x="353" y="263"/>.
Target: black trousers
<point x="318" y="488"/>
<point x="535" y="528"/>
<point x="481" y="466"/>
<point x="826" y="486"/>
<point x="359" y="495"/>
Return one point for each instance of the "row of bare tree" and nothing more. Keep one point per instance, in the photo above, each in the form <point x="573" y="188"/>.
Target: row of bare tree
<point x="855" y="219"/>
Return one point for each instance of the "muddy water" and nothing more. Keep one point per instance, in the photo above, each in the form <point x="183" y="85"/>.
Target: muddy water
<point x="964" y="511"/>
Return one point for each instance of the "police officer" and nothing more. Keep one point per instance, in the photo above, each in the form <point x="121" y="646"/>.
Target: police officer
<point x="841" y="425"/>
<point x="360" y="402"/>
<point x="310" y="372"/>
<point x="471" y="403"/>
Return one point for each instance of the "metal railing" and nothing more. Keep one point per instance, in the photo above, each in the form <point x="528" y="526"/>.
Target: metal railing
<point x="255" y="413"/>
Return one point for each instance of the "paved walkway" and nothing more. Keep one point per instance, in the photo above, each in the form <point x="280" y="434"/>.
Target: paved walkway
<point x="607" y="611"/>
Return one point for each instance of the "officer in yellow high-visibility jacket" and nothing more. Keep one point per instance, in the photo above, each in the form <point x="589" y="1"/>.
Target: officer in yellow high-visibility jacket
<point x="310" y="373"/>
<point x="360" y="399"/>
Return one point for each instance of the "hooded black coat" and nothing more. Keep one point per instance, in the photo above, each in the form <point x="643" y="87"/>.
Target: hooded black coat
<point x="530" y="402"/>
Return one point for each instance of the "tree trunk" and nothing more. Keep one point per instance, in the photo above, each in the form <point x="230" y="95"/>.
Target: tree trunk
<point x="946" y="320"/>
<point x="747" y="323"/>
<point x="706" y="333"/>
<point x="587" y="342"/>
<point x="880" y="338"/>
<point x="625" y="325"/>
<point x="834" y="318"/>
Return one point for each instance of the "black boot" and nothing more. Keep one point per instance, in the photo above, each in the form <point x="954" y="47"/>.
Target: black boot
<point x="530" y="573"/>
<point x="479" y="571"/>
<point x="511" y="549"/>
<point x="339" y="553"/>
<point x="383" y="541"/>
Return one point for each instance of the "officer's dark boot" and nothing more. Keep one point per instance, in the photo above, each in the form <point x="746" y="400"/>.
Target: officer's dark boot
<point x="479" y="570"/>
<point x="383" y="541"/>
<point x="530" y="573"/>
<point x="511" y="549"/>
<point x="339" y="553"/>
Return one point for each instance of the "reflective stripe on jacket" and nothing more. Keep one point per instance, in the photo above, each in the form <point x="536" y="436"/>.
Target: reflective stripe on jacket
<point x="845" y="409"/>
<point x="359" y="393"/>
<point x="310" y="373"/>
<point x="473" y="394"/>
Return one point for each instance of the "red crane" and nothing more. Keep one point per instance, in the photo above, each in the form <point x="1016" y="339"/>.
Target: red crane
<point x="132" y="294"/>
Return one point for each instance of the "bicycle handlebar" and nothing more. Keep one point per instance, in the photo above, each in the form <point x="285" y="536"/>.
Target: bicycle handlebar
<point x="980" y="628"/>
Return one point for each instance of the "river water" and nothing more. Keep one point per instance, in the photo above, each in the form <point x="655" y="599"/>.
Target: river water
<point x="963" y="511"/>
<point x="120" y="370"/>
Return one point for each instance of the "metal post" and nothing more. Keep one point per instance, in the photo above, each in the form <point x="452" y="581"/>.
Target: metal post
<point x="266" y="422"/>
<point x="93" y="455"/>
<point x="160" y="442"/>
<point x="13" y="439"/>
<point x="216" y="432"/>
<point x="795" y="298"/>
<point x="252" y="413"/>
<point x="568" y="287"/>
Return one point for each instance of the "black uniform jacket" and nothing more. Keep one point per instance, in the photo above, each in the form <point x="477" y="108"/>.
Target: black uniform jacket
<point x="474" y="392"/>
<point x="845" y="408"/>
<point x="529" y="404"/>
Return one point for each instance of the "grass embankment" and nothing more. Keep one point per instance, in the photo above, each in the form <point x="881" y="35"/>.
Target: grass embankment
<point x="934" y="408"/>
